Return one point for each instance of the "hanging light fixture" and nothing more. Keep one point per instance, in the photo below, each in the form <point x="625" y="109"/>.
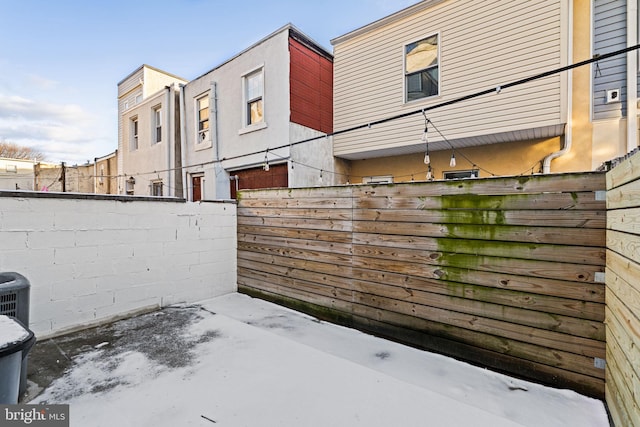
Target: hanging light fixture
<point x="429" y="174"/>
<point x="452" y="162"/>
<point x="424" y="139"/>
<point x="265" y="165"/>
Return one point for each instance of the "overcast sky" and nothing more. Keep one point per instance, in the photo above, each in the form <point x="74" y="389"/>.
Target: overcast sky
<point x="61" y="60"/>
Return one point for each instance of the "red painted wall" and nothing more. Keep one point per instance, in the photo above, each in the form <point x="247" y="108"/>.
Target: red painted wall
<point x="277" y="176"/>
<point x="311" y="82"/>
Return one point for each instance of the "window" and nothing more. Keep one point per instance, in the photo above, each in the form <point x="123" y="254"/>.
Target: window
<point x="386" y="179"/>
<point x="156" y="188"/>
<point x="157" y="124"/>
<point x="462" y="174"/>
<point x="12" y="169"/>
<point x="129" y="185"/>
<point x="421" y="68"/>
<point x="203" y="118"/>
<point x="133" y="140"/>
<point x="254" y="89"/>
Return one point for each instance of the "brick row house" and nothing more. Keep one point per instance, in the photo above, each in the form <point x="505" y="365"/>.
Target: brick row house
<point x="238" y="126"/>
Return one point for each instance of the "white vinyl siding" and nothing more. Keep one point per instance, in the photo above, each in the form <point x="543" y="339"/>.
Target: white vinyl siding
<point x="609" y="34"/>
<point x="482" y="45"/>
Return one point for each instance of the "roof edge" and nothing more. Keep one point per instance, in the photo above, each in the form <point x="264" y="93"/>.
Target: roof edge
<point x="151" y="68"/>
<point x="386" y="20"/>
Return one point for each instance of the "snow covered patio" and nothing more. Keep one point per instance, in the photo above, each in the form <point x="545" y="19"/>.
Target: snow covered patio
<point x="238" y="361"/>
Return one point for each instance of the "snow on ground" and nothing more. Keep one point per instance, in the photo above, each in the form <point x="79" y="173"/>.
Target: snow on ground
<point x="253" y="363"/>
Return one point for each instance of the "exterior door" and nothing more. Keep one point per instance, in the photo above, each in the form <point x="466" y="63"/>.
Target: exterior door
<point x="196" y="184"/>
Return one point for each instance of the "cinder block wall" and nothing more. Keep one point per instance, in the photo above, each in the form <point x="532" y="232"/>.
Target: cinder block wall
<point x="94" y="258"/>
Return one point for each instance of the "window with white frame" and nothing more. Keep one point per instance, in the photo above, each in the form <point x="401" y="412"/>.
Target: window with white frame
<point x="157" y="124"/>
<point x="421" y="69"/>
<point x="253" y="95"/>
<point x="202" y="104"/>
<point x="473" y="173"/>
<point x="156" y="188"/>
<point x="133" y="137"/>
<point x="381" y="179"/>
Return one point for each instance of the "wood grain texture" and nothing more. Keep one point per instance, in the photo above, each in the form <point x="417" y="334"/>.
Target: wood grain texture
<point x="508" y="267"/>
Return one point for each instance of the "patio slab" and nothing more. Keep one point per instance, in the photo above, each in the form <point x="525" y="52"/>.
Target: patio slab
<point x="239" y="361"/>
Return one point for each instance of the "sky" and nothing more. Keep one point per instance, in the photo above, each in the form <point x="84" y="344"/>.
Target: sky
<point x="61" y="60"/>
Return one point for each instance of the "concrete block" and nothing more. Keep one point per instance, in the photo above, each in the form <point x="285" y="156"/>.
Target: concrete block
<point x="114" y="251"/>
<point x="25" y="259"/>
<point x="71" y="289"/>
<point x="13" y="240"/>
<point x="51" y="238"/>
<point x="27" y="221"/>
<point x="75" y="255"/>
<point x="147" y="249"/>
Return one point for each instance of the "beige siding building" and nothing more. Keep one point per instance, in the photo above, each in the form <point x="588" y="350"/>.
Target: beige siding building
<point x="438" y="51"/>
<point x="148" y="158"/>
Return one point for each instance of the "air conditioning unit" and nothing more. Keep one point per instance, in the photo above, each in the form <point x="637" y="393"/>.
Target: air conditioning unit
<point x="613" y="95"/>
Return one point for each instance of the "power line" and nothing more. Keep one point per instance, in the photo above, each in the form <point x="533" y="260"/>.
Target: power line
<point x="497" y="89"/>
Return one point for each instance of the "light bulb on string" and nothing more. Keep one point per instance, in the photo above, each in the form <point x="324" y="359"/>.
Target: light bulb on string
<point x="427" y="158"/>
<point x="320" y="179"/>
<point x="429" y="174"/>
<point x="424" y="139"/>
<point x="265" y="165"/>
<point x="452" y="162"/>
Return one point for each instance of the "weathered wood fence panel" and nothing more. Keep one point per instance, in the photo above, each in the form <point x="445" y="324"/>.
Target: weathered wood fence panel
<point x="623" y="293"/>
<point x="503" y="272"/>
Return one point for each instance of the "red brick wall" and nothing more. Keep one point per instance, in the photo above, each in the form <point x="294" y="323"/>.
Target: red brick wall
<point x="311" y="82"/>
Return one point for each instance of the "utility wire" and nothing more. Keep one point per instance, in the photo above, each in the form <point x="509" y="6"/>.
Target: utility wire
<point x="497" y="89"/>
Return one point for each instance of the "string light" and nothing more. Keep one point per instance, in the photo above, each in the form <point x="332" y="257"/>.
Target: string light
<point x="452" y="162"/>
<point x="429" y="174"/>
<point x="265" y="165"/>
<point x="424" y="139"/>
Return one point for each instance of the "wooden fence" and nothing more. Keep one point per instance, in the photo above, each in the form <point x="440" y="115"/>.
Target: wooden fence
<point x="623" y="293"/>
<point x="502" y="272"/>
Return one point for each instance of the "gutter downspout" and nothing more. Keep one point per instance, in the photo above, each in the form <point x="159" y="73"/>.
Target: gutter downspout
<point x="568" y="134"/>
<point x="214" y="90"/>
<point x="167" y="131"/>
<point x="183" y="143"/>
<point x="632" y="75"/>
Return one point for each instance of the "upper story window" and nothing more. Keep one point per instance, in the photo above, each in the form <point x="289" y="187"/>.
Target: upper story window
<point x="253" y="94"/>
<point x="157" y="124"/>
<point x="133" y="138"/>
<point x="156" y="188"/>
<point x="421" y="69"/>
<point x="202" y="105"/>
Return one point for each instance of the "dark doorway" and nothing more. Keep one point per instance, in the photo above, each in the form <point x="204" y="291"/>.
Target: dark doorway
<point x="196" y="182"/>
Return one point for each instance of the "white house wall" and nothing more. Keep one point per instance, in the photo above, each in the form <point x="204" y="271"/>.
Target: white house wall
<point x="482" y="44"/>
<point x="148" y="157"/>
<point x="93" y="259"/>
<point x="233" y="139"/>
<point x="16" y="174"/>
